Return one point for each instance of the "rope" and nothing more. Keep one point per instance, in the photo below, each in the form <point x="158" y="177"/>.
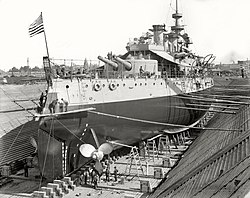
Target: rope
<point x="16" y="102"/>
<point x="40" y="184"/>
<point x="159" y="123"/>
<point x="53" y="136"/>
<point x="71" y="132"/>
<point x="12" y="144"/>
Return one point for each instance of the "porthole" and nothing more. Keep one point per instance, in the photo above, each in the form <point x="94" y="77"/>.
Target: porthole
<point x="67" y="86"/>
<point x="140" y="84"/>
<point x="153" y="83"/>
<point x="135" y="84"/>
<point x="124" y="85"/>
<point x="97" y="86"/>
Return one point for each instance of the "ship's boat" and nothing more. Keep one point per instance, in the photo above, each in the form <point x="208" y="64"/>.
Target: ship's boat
<point x="127" y="99"/>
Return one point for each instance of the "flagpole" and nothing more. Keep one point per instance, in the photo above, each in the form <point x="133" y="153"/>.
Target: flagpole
<point x="47" y="49"/>
<point x="45" y="38"/>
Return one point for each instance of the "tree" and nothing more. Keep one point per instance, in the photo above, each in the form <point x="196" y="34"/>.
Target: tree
<point x="25" y="68"/>
<point x="14" y="69"/>
<point x="35" y="69"/>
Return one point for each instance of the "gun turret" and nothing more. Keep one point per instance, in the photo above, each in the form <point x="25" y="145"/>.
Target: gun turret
<point x="126" y="64"/>
<point x="109" y="62"/>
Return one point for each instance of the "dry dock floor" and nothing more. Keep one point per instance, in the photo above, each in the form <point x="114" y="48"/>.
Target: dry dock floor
<point x="128" y="184"/>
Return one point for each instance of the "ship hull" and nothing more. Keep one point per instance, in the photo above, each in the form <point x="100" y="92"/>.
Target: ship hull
<point x="127" y="122"/>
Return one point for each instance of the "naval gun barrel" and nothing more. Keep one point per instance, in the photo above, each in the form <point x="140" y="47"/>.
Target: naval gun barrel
<point x="109" y="62"/>
<point x="126" y="64"/>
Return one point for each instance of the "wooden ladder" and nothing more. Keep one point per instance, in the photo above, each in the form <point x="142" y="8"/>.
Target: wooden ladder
<point x="134" y="156"/>
<point x="152" y="149"/>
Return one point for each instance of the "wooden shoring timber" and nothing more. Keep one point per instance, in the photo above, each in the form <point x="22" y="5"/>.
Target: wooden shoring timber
<point x="211" y="105"/>
<point x="217" y="111"/>
<point x="155" y="137"/>
<point x="231" y="104"/>
<point x="119" y="144"/>
<point x="228" y="89"/>
<point x="211" y="100"/>
<point x="232" y="86"/>
<point x="221" y="96"/>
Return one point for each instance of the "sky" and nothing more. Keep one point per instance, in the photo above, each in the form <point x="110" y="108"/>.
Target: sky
<point x="79" y="29"/>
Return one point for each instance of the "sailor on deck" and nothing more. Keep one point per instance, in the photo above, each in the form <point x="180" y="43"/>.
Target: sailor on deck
<point x="65" y="104"/>
<point x="41" y="99"/>
<point x="52" y="106"/>
<point x="141" y="71"/>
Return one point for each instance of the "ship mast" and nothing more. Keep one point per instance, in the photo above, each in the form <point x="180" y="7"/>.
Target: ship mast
<point x="177" y="28"/>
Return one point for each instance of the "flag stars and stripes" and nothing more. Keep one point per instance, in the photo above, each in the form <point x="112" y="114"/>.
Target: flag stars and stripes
<point x="36" y="27"/>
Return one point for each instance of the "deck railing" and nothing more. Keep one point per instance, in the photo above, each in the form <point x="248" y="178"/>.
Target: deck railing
<point x="93" y="69"/>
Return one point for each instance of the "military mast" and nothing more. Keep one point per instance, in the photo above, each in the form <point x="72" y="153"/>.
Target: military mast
<point x="177" y="28"/>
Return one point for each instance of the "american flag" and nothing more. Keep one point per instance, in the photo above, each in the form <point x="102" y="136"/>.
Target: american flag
<point x="36" y="27"/>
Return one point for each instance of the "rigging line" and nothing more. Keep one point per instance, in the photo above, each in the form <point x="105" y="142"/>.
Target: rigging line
<point x="159" y="123"/>
<point x="57" y="138"/>
<point x="24" y="94"/>
<point x="12" y="144"/>
<point x="45" y="158"/>
<point x="53" y="136"/>
<point x="170" y="6"/>
<point x="16" y="102"/>
<point x="70" y="131"/>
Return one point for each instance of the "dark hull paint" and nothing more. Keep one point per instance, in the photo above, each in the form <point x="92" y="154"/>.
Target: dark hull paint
<point x="73" y="131"/>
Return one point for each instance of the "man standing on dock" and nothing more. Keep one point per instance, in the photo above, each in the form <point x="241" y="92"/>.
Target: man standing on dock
<point x="115" y="173"/>
<point x="26" y="169"/>
<point x="107" y="173"/>
<point x="86" y="175"/>
<point x="95" y="179"/>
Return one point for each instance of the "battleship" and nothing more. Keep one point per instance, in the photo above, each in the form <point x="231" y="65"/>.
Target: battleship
<point x="131" y="97"/>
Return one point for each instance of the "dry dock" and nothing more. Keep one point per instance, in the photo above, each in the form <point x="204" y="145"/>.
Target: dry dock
<point x="137" y="176"/>
<point x="214" y="164"/>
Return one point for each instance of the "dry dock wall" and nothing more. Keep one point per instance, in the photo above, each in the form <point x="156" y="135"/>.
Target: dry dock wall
<point x="16" y="123"/>
<point x="216" y="164"/>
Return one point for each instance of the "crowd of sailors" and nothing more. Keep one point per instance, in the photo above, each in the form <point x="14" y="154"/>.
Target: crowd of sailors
<point x="91" y="176"/>
<point x="58" y="106"/>
<point x="54" y="107"/>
